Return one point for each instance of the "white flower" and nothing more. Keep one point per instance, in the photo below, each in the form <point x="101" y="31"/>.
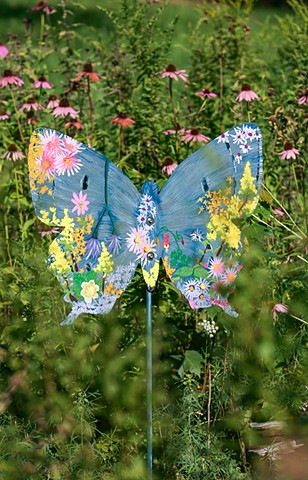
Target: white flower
<point x="89" y="291"/>
<point x="224" y="137"/>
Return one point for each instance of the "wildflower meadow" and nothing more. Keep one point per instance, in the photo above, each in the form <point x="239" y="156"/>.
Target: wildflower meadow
<point x="147" y="84"/>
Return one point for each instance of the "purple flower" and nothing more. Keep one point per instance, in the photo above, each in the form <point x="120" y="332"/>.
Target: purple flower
<point x="93" y="248"/>
<point x="114" y="244"/>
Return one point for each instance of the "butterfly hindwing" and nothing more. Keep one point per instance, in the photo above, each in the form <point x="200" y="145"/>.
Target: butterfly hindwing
<point x="71" y="187"/>
<point x="201" y="206"/>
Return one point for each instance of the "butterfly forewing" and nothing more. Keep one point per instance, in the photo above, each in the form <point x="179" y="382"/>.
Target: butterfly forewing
<point x="71" y="187"/>
<point x="200" y="205"/>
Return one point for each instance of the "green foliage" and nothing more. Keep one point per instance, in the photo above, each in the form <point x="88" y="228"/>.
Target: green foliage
<point x="73" y="401"/>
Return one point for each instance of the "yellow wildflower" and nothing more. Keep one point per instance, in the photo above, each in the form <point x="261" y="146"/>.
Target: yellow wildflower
<point x="247" y="182"/>
<point x="105" y="262"/>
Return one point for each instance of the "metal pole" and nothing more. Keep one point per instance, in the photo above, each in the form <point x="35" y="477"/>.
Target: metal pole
<point x="149" y="380"/>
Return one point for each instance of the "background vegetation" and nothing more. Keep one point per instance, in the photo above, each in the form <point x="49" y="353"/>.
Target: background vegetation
<point x="228" y="406"/>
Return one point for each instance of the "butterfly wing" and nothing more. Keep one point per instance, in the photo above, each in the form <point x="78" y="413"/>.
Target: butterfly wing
<point x="201" y="206"/>
<point x="71" y="186"/>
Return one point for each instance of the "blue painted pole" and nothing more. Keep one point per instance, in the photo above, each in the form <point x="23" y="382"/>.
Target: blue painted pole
<point x="149" y="381"/>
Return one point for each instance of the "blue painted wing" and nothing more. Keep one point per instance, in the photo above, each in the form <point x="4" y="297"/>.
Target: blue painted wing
<point x="79" y="189"/>
<point x="200" y="203"/>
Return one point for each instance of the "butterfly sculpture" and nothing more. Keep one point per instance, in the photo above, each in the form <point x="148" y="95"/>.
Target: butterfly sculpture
<point x="109" y="227"/>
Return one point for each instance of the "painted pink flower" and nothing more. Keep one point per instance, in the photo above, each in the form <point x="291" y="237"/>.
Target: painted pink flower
<point x="278" y="212"/>
<point x="172" y="72"/>
<point x="193" y="135"/>
<point x="279" y="308"/>
<point x="67" y="163"/>
<point x="13" y="153"/>
<point x="71" y="145"/>
<point x="3" y="50"/>
<point x="47" y="164"/>
<point x="45" y="7"/>
<point x="123" y="120"/>
<point x="169" y="166"/>
<point x="216" y="266"/>
<point x="51" y="142"/>
<point x="65" y="109"/>
<point x="4" y="115"/>
<point x="136" y="239"/>
<point x="81" y="203"/>
<point x="303" y="98"/>
<point x="289" y="151"/>
<point x="88" y="71"/>
<point x="166" y="242"/>
<point x="206" y="93"/>
<point x="8" y="78"/>
<point x="42" y="82"/>
<point x="49" y="232"/>
<point x="31" y="104"/>
<point x="229" y="276"/>
<point x="74" y="124"/>
<point x="53" y="101"/>
<point x="247" y="94"/>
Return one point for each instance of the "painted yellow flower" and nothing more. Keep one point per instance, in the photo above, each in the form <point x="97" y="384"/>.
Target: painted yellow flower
<point x="89" y="291"/>
<point x="247" y="182"/>
<point x="105" y="262"/>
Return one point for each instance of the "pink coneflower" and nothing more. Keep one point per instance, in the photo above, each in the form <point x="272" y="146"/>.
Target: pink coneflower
<point x="216" y="266"/>
<point x="304" y="98"/>
<point x="48" y="232"/>
<point x="172" y="72"/>
<point x="13" y="153"/>
<point x="247" y="94"/>
<point x="45" y="7"/>
<point x="9" y="79"/>
<point x="88" y="71"/>
<point x="65" y="109"/>
<point x="67" y="163"/>
<point x="289" y="151"/>
<point x="42" y="82"/>
<point x="75" y="124"/>
<point x="123" y="120"/>
<point x="169" y="166"/>
<point x="173" y="132"/>
<point x="81" y="203"/>
<point x="278" y="212"/>
<point x="31" y="118"/>
<point x="279" y="308"/>
<point x="205" y="92"/>
<point x="3" y="50"/>
<point x="31" y="104"/>
<point x="53" y="101"/>
<point x="193" y="135"/>
<point x="47" y="164"/>
<point x="4" y="115"/>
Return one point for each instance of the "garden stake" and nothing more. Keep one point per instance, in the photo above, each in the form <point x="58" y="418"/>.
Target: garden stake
<point x="149" y="291"/>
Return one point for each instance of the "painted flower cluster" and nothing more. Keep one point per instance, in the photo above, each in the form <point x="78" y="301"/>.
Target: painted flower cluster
<point x="139" y="240"/>
<point x="242" y="139"/>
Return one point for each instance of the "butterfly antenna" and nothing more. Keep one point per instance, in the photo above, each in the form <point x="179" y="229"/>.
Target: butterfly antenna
<point x="149" y="292"/>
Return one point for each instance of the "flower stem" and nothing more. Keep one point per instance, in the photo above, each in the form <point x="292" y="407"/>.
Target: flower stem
<point x="90" y="111"/>
<point x="17" y="118"/>
<point x="17" y="194"/>
<point x="220" y="92"/>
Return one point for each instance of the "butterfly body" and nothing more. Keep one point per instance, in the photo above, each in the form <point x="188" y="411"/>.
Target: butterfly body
<point x="109" y="227"/>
